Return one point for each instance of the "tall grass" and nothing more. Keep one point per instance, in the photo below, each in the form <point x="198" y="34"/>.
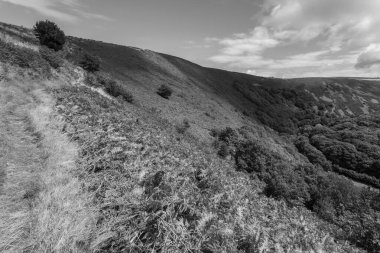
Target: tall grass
<point x="64" y="217"/>
<point x="19" y="163"/>
<point x="43" y="207"/>
<point x="158" y="192"/>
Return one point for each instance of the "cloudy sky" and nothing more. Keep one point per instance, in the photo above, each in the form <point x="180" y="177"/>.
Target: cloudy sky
<point x="282" y="38"/>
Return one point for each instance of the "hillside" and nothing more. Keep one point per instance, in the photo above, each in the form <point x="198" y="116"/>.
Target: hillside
<point x="347" y="96"/>
<point x="228" y="163"/>
<point x="215" y="99"/>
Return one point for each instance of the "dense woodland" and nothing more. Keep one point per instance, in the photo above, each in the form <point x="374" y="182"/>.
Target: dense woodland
<point x="333" y="146"/>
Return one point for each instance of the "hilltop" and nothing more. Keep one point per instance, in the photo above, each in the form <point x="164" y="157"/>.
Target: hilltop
<point x="225" y="162"/>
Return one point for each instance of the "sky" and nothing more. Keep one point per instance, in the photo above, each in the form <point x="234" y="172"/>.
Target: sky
<point x="280" y="38"/>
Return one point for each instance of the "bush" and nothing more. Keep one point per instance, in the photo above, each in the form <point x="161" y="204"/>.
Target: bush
<point x="228" y="135"/>
<point x="224" y="150"/>
<point x="54" y="60"/>
<point x="252" y="157"/>
<point x="182" y="128"/>
<point x="284" y="182"/>
<point x="115" y="89"/>
<point x="90" y="63"/>
<point x="164" y="91"/>
<point x="49" y="35"/>
<point x="214" y="132"/>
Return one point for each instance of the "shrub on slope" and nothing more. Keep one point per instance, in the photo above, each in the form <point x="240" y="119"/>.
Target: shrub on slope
<point x="90" y="63"/>
<point x="164" y="91"/>
<point x="54" y="59"/>
<point x="110" y="85"/>
<point x="49" y="34"/>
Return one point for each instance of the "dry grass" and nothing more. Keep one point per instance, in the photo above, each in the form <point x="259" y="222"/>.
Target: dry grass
<point x="158" y="193"/>
<point x="64" y="217"/>
<point x="19" y="162"/>
<point x="10" y="39"/>
<point x="18" y="36"/>
<point x="43" y="206"/>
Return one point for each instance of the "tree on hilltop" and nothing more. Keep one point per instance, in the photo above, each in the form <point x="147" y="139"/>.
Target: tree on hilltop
<point x="49" y="34"/>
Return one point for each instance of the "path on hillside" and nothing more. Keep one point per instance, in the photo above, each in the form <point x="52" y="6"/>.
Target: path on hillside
<point x="80" y="81"/>
<point x="42" y="205"/>
<point x="20" y="161"/>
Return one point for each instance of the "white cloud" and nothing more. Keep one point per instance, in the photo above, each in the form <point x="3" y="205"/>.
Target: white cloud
<point x="45" y="7"/>
<point x="324" y="32"/>
<point x="64" y="10"/>
<point x="255" y="42"/>
<point x="369" y="57"/>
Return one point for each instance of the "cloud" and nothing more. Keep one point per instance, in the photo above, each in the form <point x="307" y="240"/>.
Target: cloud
<point x="45" y="7"/>
<point x="89" y="15"/>
<point x="369" y="57"/>
<point x="64" y="10"/>
<point x="255" y="42"/>
<point x="300" y="34"/>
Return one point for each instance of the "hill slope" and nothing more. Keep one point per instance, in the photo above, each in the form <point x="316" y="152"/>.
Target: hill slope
<point x="214" y="99"/>
<point x="347" y="96"/>
<point x="228" y="180"/>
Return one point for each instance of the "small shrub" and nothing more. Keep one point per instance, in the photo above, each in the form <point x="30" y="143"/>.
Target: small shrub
<point x="127" y="97"/>
<point x="214" y="132"/>
<point x="115" y="89"/>
<point x="224" y="150"/>
<point x="49" y="34"/>
<point x="252" y="157"/>
<point x="182" y="128"/>
<point x="284" y="182"/>
<point x="228" y="135"/>
<point x="90" y="63"/>
<point x="92" y="80"/>
<point x="54" y="59"/>
<point x="164" y="91"/>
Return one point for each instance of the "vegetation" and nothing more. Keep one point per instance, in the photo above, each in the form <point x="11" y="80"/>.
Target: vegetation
<point x="116" y="89"/>
<point x="50" y="35"/>
<point x="164" y="91"/>
<point x="183" y="127"/>
<point x="90" y="63"/>
<point x="54" y="59"/>
<point x="111" y="86"/>
<point x="23" y="57"/>
<point x="155" y="189"/>
<point x="160" y="193"/>
<point x="315" y="187"/>
<point x="351" y="145"/>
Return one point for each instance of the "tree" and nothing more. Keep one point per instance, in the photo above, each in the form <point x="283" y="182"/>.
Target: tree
<point x="50" y="35"/>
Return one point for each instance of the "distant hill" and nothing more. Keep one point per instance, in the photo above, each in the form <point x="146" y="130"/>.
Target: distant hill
<point x="146" y="69"/>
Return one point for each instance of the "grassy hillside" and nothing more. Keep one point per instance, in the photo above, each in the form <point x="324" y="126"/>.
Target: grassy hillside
<point x="347" y="96"/>
<point x="214" y="99"/>
<point x="211" y="168"/>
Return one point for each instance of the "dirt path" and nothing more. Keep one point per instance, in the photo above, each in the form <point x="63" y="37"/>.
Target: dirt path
<point x="20" y="162"/>
<point x="42" y="205"/>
